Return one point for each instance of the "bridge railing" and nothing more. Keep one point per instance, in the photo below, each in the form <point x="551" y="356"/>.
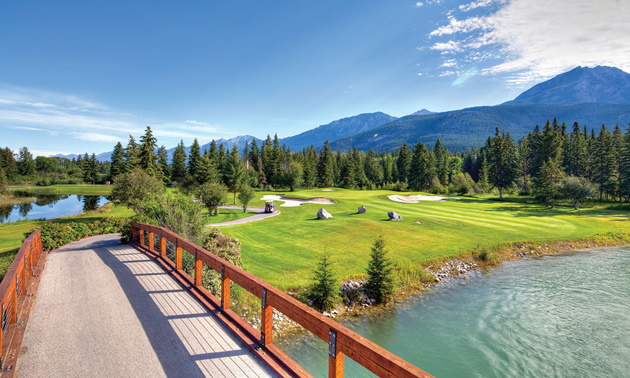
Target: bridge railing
<point x="261" y="307"/>
<point x="16" y="291"/>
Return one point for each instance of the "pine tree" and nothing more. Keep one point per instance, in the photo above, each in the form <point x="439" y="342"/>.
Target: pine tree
<point x="547" y="181"/>
<point x="194" y="158"/>
<point x="310" y="167"/>
<point x="3" y="181"/>
<point x="234" y="171"/>
<point x="625" y="172"/>
<point x="403" y="162"/>
<point x="606" y="174"/>
<point x="9" y="164"/>
<point x="380" y="281"/>
<point x="421" y="169"/>
<point x="117" y="166"/>
<point x="25" y="162"/>
<point x="163" y="163"/>
<point x="484" y="174"/>
<point x="325" y="173"/>
<point x="619" y="146"/>
<point x="131" y="155"/>
<point x="373" y="170"/>
<point x="178" y="168"/>
<point x="147" y="159"/>
<point x="525" y="152"/>
<point x="503" y="162"/>
<point x="441" y="162"/>
<point x="254" y="154"/>
<point x="325" y="291"/>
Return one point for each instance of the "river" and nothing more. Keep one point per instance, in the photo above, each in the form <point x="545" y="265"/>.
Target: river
<point x="565" y="315"/>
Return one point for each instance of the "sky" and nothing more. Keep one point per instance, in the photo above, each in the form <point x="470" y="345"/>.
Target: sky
<point x="80" y="76"/>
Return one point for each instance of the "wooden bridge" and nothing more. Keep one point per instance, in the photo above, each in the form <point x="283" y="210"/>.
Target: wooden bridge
<point x="162" y="306"/>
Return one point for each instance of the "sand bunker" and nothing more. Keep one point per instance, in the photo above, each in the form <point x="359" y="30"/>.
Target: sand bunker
<point x="293" y="202"/>
<point x="418" y="198"/>
<point x="329" y="190"/>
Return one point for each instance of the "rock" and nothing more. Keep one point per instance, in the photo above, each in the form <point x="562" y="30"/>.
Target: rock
<point x="362" y="210"/>
<point x="394" y="216"/>
<point x="323" y="214"/>
<point x="326" y="314"/>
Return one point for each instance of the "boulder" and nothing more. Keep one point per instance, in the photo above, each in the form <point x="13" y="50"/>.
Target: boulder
<point x="394" y="216"/>
<point x="362" y="210"/>
<point x="323" y="214"/>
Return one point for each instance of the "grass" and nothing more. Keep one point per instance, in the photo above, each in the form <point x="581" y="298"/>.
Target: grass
<point x="283" y="250"/>
<point x="78" y="189"/>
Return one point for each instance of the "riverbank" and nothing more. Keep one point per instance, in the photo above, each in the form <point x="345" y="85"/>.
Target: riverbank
<point x="460" y="267"/>
<point x="9" y="199"/>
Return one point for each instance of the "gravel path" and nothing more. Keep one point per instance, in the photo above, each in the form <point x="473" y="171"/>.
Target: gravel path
<point x="261" y="215"/>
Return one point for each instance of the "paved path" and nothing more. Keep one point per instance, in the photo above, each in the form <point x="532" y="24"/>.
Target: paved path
<point x="104" y="309"/>
<point x="261" y="215"/>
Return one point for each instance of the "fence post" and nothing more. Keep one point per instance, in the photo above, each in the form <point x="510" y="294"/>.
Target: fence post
<point x="266" y="321"/>
<point x="178" y="255"/>
<point x="162" y="245"/>
<point x="13" y="310"/>
<point x="198" y="270"/>
<point x="142" y="237"/>
<point x="225" y="290"/>
<point x="151" y="241"/>
<point x="335" y="357"/>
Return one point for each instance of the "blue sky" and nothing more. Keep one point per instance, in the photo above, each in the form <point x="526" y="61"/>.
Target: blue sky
<point x="78" y="76"/>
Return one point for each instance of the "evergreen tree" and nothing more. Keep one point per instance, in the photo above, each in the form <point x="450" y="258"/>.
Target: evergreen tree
<point x="178" y="168"/>
<point x="403" y="162"/>
<point x="576" y="156"/>
<point x="325" y="173"/>
<point x="606" y="174"/>
<point x="619" y="146"/>
<point x="234" y="171"/>
<point x="3" y="181"/>
<point x="131" y="155"/>
<point x="147" y="159"/>
<point x="310" y="167"/>
<point x="220" y="164"/>
<point x="254" y="154"/>
<point x="421" y="169"/>
<point x="503" y="162"/>
<point x="165" y="168"/>
<point x="25" y="162"/>
<point x="441" y="162"/>
<point x="9" y="164"/>
<point x="117" y="166"/>
<point x="325" y="291"/>
<point x="525" y="152"/>
<point x="206" y="171"/>
<point x="373" y="170"/>
<point x="194" y="159"/>
<point x="380" y="281"/>
<point x="547" y="181"/>
<point x="89" y="168"/>
<point x="625" y="172"/>
<point x="484" y="173"/>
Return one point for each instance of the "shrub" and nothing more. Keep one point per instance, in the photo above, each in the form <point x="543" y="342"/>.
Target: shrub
<point x="136" y="187"/>
<point x="325" y="291"/>
<point x="226" y="248"/>
<point x="54" y="235"/>
<point x="212" y="195"/>
<point x="380" y="282"/>
<point x="245" y="195"/>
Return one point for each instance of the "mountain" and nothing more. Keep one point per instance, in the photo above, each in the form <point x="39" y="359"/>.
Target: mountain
<point x="423" y="112"/>
<point x="604" y="85"/>
<point x="471" y="127"/>
<point x="591" y="96"/>
<point x="337" y="129"/>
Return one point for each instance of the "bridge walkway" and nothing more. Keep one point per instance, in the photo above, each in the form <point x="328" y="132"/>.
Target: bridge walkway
<point x="106" y="309"/>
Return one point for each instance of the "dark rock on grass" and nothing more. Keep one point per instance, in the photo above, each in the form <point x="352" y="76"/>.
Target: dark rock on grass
<point x="394" y="216"/>
<point x="323" y="214"/>
<point x="362" y="210"/>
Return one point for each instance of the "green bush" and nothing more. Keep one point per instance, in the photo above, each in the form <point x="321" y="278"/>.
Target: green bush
<point x="54" y="235"/>
<point x="325" y="291"/>
<point x="380" y="282"/>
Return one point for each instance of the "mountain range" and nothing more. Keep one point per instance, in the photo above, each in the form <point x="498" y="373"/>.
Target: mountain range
<point x="590" y="96"/>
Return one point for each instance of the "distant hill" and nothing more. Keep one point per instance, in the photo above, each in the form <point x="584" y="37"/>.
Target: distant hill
<point x="589" y="96"/>
<point x="604" y="85"/>
<point x="471" y="127"/>
<point x="337" y="129"/>
<point x="423" y="112"/>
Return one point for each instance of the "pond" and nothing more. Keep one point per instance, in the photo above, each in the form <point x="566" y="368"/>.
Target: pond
<point x="49" y="206"/>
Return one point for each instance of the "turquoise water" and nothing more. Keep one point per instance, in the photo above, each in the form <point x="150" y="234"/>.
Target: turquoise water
<point x="51" y="206"/>
<point x="556" y="316"/>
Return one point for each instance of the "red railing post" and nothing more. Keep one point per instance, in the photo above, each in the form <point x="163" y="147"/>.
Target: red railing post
<point x="162" y="245"/>
<point x="335" y="357"/>
<point x="151" y="240"/>
<point x="266" y="321"/>
<point x="133" y="233"/>
<point x="225" y="290"/>
<point x="178" y="255"/>
<point x="198" y="270"/>
<point x="14" y="299"/>
<point x="142" y="237"/>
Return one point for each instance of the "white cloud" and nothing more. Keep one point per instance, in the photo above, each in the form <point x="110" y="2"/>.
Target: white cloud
<point x="477" y="4"/>
<point x="196" y="123"/>
<point x="447" y="47"/>
<point x="96" y="137"/>
<point x="418" y="4"/>
<point x="449" y="63"/>
<point x="448" y="73"/>
<point x="538" y="39"/>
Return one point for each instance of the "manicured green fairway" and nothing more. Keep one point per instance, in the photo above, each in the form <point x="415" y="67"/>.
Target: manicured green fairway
<point x="283" y="250"/>
<point x="78" y="189"/>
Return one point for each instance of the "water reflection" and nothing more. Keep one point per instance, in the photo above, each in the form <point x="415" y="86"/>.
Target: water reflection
<point x="48" y="206"/>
